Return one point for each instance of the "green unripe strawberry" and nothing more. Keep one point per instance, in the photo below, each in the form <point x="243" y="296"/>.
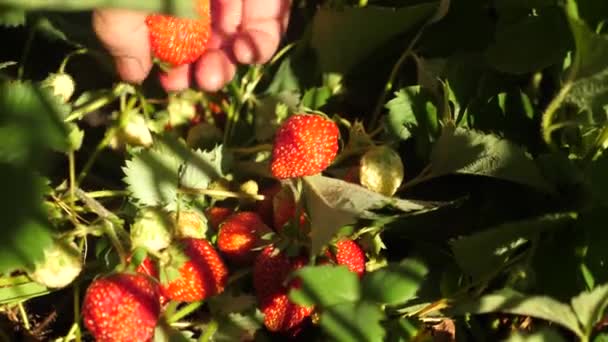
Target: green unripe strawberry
<point x="62" y="263"/>
<point x="152" y="230"/>
<point x="61" y="84"/>
<point x="134" y="132"/>
<point x="381" y="170"/>
<point x="190" y="224"/>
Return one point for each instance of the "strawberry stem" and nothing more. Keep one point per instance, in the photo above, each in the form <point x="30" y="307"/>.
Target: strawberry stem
<point x="209" y="332"/>
<point x="23" y="314"/>
<point x="76" y="326"/>
<point x="67" y="58"/>
<point x="185" y="311"/>
<point x="222" y="193"/>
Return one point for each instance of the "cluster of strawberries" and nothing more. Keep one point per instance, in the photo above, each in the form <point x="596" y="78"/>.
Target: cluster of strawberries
<point x="127" y="306"/>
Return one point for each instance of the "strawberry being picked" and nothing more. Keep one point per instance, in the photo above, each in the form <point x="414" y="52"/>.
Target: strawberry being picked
<point x="180" y="40"/>
<point x="122" y="307"/>
<point x="304" y="145"/>
<point x="271" y="269"/>
<point x="195" y="272"/>
<point x="240" y="234"/>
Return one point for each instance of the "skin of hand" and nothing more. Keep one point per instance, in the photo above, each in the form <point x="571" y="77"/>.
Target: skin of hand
<point x="243" y="31"/>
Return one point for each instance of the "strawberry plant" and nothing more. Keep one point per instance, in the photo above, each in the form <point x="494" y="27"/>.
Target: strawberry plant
<point x="380" y="170"/>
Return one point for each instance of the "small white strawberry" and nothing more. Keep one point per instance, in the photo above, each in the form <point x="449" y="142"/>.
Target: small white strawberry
<point x="62" y="263"/>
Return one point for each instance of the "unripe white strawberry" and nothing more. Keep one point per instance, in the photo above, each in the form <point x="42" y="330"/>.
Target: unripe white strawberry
<point x="190" y="225"/>
<point x="381" y="170"/>
<point x="62" y="263"/>
<point x="134" y="132"/>
<point x="152" y="230"/>
<point x="62" y="84"/>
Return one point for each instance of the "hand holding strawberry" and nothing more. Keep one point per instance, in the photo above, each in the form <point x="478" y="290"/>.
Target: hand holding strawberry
<point x="242" y="32"/>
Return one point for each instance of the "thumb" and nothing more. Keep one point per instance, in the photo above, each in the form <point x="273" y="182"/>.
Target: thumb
<point x="125" y="35"/>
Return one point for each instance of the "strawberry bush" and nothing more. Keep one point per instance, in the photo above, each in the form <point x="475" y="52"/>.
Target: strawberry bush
<point x="400" y="170"/>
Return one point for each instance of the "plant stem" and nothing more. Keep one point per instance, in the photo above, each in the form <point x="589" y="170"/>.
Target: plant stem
<point x="67" y="58"/>
<point x="76" y="294"/>
<point x="392" y="76"/>
<point x="100" y="147"/>
<point x="94" y="105"/>
<point x="549" y="114"/>
<point x="110" y="232"/>
<point x="70" y="333"/>
<point x="252" y="149"/>
<point x="72" y="175"/>
<point x="209" y="332"/>
<point x="26" y="50"/>
<point x="108" y="193"/>
<point x="221" y="193"/>
<point x="23" y="313"/>
<point x="185" y="311"/>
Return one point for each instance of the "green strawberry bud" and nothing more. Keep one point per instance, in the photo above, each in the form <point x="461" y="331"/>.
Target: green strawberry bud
<point x="381" y="170"/>
<point x="151" y="230"/>
<point x="62" y="263"/>
<point x="134" y="132"/>
<point x="63" y="85"/>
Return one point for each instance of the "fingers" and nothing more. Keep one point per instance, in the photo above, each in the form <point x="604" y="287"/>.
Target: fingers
<point x="125" y="36"/>
<point x="258" y="42"/>
<point x="263" y="24"/>
<point x="245" y="31"/>
<point x="177" y="78"/>
<point x="214" y="69"/>
<point x="254" y="10"/>
<point x="227" y="16"/>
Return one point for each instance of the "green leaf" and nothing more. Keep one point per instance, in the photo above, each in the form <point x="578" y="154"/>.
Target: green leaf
<point x="486" y="251"/>
<point x="343" y="38"/>
<point x="26" y="230"/>
<point x="589" y="306"/>
<point x="227" y="302"/>
<point x="21" y="292"/>
<point x="543" y="335"/>
<point x="589" y="88"/>
<point x="11" y="17"/>
<point x="461" y="151"/>
<point x="268" y="113"/>
<point x="395" y="283"/>
<point x="315" y="98"/>
<point x="412" y="107"/>
<point x="509" y="301"/>
<point x="176" y="7"/>
<point x="30" y="123"/>
<point x="530" y="44"/>
<point x="358" y="321"/>
<point x="153" y="176"/>
<point x="165" y="333"/>
<point x="237" y="327"/>
<point x="332" y="203"/>
<point x="326" y="285"/>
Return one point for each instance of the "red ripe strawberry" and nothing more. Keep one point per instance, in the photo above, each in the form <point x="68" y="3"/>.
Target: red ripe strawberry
<point x="304" y="145"/>
<point x="270" y="272"/>
<point x="348" y="253"/>
<point x="122" y="307"/>
<point x="149" y="268"/>
<point x="281" y="315"/>
<point x="202" y="273"/>
<point x="217" y="215"/>
<point x="239" y="234"/>
<point x="180" y="40"/>
<point x="284" y="209"/>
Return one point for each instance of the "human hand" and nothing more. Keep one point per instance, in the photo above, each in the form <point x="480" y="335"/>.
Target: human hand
<point x="243" y="31"/>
